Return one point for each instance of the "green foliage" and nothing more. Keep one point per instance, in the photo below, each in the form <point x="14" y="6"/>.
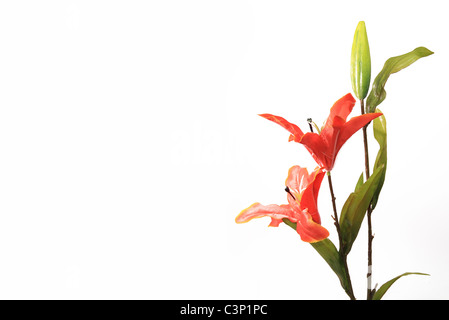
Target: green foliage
<point x="330" y="254"/>
<point x="383" y="289"/>
<point x="392" y="65"/>
<point x="354" y="210"/>
<point x="380" y="134"/>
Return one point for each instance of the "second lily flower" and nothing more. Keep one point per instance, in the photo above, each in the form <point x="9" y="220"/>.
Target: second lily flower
<point x="302" y="195"/>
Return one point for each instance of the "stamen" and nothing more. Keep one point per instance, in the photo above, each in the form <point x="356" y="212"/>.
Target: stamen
<point x="288" y="191"/>
<point x="313" y="124"/>
<point x="309" y="120"/>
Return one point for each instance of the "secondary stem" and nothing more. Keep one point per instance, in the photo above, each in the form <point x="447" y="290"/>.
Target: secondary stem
<point x="343" y="256"/>
<point x="369" y="291"/>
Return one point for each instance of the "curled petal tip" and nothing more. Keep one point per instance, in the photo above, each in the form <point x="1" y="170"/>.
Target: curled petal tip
<point x="349" y="97"/>
<point x="242" y="217"/>
<point x="257" y="210"/>
<point x="295" y="131"/>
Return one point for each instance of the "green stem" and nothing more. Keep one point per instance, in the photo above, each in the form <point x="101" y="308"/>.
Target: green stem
<point x="369" y="291"/>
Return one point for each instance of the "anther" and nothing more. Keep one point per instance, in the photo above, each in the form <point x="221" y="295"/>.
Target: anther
<point x="309" y="120"/>
<point x="289" y="192"/>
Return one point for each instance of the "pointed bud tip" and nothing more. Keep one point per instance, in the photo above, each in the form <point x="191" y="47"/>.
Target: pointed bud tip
<point x="360" y="62"/>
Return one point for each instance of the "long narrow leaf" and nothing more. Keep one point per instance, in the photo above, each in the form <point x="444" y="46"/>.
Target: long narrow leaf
<point x="383" y="289"/>
<point x="392" y="65"/>
<point x="359" y="183"/>
<point x="354" y="210"/>
<point x="380" y="134"/>
<point x="330" y="254"/>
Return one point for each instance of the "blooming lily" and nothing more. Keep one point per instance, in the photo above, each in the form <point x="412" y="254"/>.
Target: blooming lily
<point x="324" y="146"/>
<point x="302" y="193"/>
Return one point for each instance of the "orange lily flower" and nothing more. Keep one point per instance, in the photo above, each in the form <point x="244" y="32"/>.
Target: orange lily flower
<point x="324" y="146"/>
<point x="302" y="194"/>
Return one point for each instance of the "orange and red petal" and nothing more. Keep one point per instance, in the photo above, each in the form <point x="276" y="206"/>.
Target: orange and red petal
<point x="318" y="149"/>
<point x="275" y="222"/>
<point x="296" y="132"/>
<point x="335" y="121"/>
<point x="342" y="108"/>
<point x="331" y="131"/>
<point x="309" y="230"/>
<point x="309" y="198"/>
<point x="352" y="126"/>
<point x="274" y="211"/>
<point x="298" y="179"/>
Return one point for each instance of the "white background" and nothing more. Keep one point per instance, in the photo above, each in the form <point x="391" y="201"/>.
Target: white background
<point x="129" y="141"/>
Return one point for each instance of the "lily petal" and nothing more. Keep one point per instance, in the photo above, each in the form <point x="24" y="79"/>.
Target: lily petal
<point x="297" y="181"/>
<point x="342" y="107"/>
<point x="318" y="149"/>
<point x="336" y="120"/>
<point x="274" y="211"/>
<point x="309" y="230"/>
<point x="309" y="197"/>
<point x="305" y="188"/>
<point x="296" y="132"/>
<point x="352" y="126"/>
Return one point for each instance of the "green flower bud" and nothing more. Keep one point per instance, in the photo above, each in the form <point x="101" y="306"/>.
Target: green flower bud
<point x="360" y="62"/>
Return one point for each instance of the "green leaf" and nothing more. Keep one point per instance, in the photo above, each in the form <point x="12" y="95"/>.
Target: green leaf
<point x="354" y="210"/>
<point x="380" y="134"/>
<point x="383" y="289"/>
<point x="330" y="254"/>
<point x="359" y="183"/>
<point x="360" y="62"/>
<point x="392" y="65"/>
